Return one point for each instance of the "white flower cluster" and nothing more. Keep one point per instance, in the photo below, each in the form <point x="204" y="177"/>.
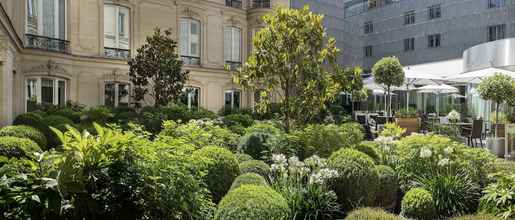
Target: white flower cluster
<point x="322" y="176"/>
<point x="444" y="162"/>
<point x="425" y="153"/>
<point x="280" y="163"/>
<point x="315" y="161"/>
<point x="454" y="115"/>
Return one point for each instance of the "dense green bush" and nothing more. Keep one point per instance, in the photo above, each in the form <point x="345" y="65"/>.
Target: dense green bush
<point x="322" y="140"/>
<point x="371" y="214"/>
<point x="24" y="131"/>
<point x="221" y="167"/>
<point x="255" y="166"/>
<point x="238" y="119"/>
<point x="476" y="217"/>
<point x="55" y="120"/>
<point x="18" y="147"/>
<point x="98" y="114"/>
<point x="58" y="122"/>
<point x="358" y="178"/>
<point x="253" y="202"/>
<point x="248" y="179"/>
<point x="241" y="157"/>
<point x="73" y="115"/>
<point x="264" y="139"/>
<point x="388" y="187"/>
<point x="201" y="133"/>
<point x="499" y="196"/>
<point x="31" y="119"/>
<point x="370" y="148"/>
<point x="418" y="204"/>
<point x="453" y="193"/>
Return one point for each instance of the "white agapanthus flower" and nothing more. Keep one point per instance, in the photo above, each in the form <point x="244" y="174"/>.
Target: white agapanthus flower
<point x="425" y="153"/>
<point x="448" y="150"/>
<point x="454" y="115"/>
<point x="384" y="140"/>
<point x="444" y="162"/>
<point x="279" y="158"/>
<point x="322" y="175"/>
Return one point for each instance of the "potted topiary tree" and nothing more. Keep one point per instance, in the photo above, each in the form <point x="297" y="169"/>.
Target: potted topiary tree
<point x="408" y="119"/>
<point x="389" y="72"/>
<point x="498" y="88"/>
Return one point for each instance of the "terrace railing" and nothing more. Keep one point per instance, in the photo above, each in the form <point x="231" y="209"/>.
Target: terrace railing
<point x="47" y="43"/>
<point x="117" y="53"/>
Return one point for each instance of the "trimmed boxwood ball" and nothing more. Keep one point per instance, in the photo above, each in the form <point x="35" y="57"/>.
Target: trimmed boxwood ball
<point x="255" y="166"/>
<point x="358" y="178"/>
<point x="370" y="148"/>
<point x="31" y="119"/>
<point x="25" y="131"/>
<point x="242" y="157"/>
<point x="371" y="214"/>
<point x="54" y="120"/>
<point x="248" y="179"/>
<point x="388" y="187"/>
<point x="476" y="217"/>
<point x="18" y="147"/>
<point x="418" y="204"/>
<point x="221" y="167"/>
<point x="254" y="144"/>
<point x="253" y="202"/>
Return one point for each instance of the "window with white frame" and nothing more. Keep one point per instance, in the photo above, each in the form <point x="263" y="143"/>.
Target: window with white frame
<point x="116" y="27"/>
<point x="191" y="97"/>
<point x="190" y="41"/>
<point x="496" y="32"/>
<point x="116" y="94"/>
<point x="496" y="3"/>
<point x="46" y="18"/>
<point x="44" y="90"/>
<point x="232" y="46"/>
<point x="232" y="99"/>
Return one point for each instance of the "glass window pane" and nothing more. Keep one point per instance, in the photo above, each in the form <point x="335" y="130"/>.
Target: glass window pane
<point x="61" y="93"/>
<point x="236" y="97"/>
<point x="109" y="94"/>
<point x="236" y="45"/>
<point x="49" y="18"/>
<point x="47" y="91"/>
<point x="123" y="94"/>
<point x="110" y="26"/>
<point x="32" y="98"/>
<point x="228" y="99"/>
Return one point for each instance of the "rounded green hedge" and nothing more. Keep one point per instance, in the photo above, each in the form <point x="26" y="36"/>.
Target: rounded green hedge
<point x="476" y="217"/>
<point x="25" y="131"/>
<point x="31" y="119"/>
<point x="322" y="140"/>
<point x="69" y="113"/>
<point x="370" y="148"/>
<point x="248" y="179"/>
<point x="371" y="214"/>
<point x="418" y="204"/>
<point x="255" y="166"/>
<point x="18" y="147"/>
<point x="255" y="143"/>
<point x="253" y="202"/>
<point x="241" y="157"/>
<point x="388" y="187"/>
<point x="358" y="179"/>
<point x="222" y="168"/>
<point x="55" y="120"/>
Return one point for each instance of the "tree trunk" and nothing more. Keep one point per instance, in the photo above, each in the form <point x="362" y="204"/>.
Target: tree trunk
<point x="389" y="113"/>
<point x="496" y="118"/>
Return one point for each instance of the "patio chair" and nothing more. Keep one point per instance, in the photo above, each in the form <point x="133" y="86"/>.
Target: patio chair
<point x="475" y="133"/>
<point x="362" y="119"/>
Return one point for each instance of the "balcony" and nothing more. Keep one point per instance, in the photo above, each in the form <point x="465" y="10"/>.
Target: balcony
<point x="260" y="4"/>
<point x="233" y="65"/>
<point x="233" y="3"/>
<point x="47" y="43"/>
<point x="188" y="60"/>
<point x="117" y="53"/>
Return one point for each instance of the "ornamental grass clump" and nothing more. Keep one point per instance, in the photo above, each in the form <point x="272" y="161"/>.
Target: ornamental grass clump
<point x="306" y="186"/>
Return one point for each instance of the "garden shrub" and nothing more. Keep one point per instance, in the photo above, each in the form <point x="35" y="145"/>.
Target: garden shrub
<point x="388" y="187"/>
<point x="418" y="204"/>
<point x="392" y="130"/>
<point x="476" y="217"/>
<point x="322" y="140"/>
<point x="58" y="122"/>
<point x="221" y="167"/>
<point x="499" y="196"/>
<point x="255" y="166"/>
<point x="18" y="147"/>
<point x="252" y="202"/>
<point x="100" y="114"/>
<point x="55" y="120"/>
<point x="242" y="157"/>
<point x="248" y="179"/>
<point x="358" y="177"/>
<point x="255" y="144"/>
<point x="24" y="131"/>
<point x="371" y="214"/>
<point x="73" y="115"/>
<point x="31" y="119"/>
<point x="454" y="194"/>
<point x="370" y="148"/>
<point x="201" y="133"/>
<point x="264" y="139"/>
<point x="243" y="120"/>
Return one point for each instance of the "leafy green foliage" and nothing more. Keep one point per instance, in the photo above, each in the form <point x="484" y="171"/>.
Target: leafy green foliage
<point x="31" y="119"/>
<point x="24" y="131"/>
<point x="323" y="140"/>
<point x="200" y="133"/>
<point x="371" y="214"/>
<point x="369" y="148"/>
<point x="253" y="202"/>
<point x="221" y="167"/>
<point x="406" y="113"/>
<point x="389" y="72"/>
<point x="157" y="69"/>
<point x="264" y="139"/>
<point x="418" y="203"/>
<point x="100" y="114"/>
<point x="388" y="187"/>
<point x="476" y="217"/>
<point x="18" y="147"/>
<point x="255" y="166"/>
<point x="393" y="130"/>
<point x="358" y="178"/>
<point x="498" y="88"/>
<point x="248" y="179"/>
<point x="241" y="157"/>
<point x="499" y="197"/>
<point x="301" y="64"/>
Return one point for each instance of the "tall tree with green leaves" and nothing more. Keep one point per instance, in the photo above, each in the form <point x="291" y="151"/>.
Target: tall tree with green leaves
<point x="157" y="69"/>
<point x="293" y="58"/>
<point x="389" y="72"/>
<point x="499" y="89"/>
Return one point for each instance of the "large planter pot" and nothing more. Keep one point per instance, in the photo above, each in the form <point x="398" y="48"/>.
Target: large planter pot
<point x="499" y="129"/>
<point x="412" y="125"/>
<point x="496" y="146"/>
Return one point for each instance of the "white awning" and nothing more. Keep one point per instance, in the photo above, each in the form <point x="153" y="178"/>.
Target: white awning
<point x="477" y="75"/>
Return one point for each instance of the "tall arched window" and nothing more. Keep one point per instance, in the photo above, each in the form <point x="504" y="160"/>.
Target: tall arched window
<point x="190" y="41"/>
<point x="45" y="25"/>
<point x="45" y="90"/>
<point x="232" y="46"/>
<point x="116" y="31"/>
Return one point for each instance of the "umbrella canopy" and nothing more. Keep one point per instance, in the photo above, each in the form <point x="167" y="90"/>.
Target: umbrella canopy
<point x="421" y="78"/>
<point x="477" y="75"/>
<point x="370" y="84"/>
<point x="440" y="89"/>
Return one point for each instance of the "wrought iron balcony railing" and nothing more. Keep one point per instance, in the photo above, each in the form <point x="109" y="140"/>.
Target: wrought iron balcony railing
<point x="260" y="4"/>
<point x="233" y="65"/>
<point x="233" y="3"/>
<point x="189" y="60"/>
<point x="117" y="53"/>
<point x="47" y="43"/>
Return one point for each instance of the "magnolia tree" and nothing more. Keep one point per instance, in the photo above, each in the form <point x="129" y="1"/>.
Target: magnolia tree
<point x="293" y="57"/>
<point x="389" y="72"/>
<point x="499" y="89"/>
<point x="157" y="69"/>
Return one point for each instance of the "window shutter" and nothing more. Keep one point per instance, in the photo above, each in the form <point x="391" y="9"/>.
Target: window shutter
<point x="184" y="41"/>
<point x="236" y="35"/>
<point x="227" y="44"/>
